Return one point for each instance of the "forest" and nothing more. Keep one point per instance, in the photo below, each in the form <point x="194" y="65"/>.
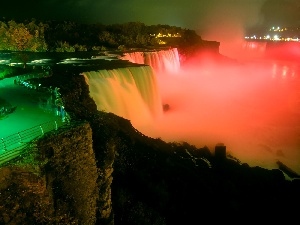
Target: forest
<point x="69" y="36"/>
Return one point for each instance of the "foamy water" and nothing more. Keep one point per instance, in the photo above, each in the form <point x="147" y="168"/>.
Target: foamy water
<point x="254" y="109"/>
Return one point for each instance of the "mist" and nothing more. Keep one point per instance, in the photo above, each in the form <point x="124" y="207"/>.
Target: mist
<point x="252" y="108"/>
<point x="227" y="23"/>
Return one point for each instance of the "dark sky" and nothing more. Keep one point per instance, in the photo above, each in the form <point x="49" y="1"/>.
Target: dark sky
<point x="200" y="15"/>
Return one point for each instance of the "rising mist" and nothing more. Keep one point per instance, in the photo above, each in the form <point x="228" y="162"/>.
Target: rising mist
<point x="252" y="107"/>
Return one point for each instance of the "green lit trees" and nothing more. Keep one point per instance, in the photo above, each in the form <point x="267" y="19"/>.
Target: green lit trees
<point x="68" y="36"/>
<point x="22" y="37"/>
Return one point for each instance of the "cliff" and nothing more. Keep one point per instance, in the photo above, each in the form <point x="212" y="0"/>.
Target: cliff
<point x="56" y="181"/>
<point x="101" y="170"/>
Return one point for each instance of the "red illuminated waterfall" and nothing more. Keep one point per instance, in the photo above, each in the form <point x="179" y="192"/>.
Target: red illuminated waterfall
<point x="254" y="48"/>
<point x="285" y="50"/>
<point x="252" y="107"/>
<point x="161" y="61"/>
<point x="129" y="92"/>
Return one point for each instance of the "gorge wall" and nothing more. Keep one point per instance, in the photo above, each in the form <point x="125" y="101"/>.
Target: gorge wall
<point x="63" y="186"/>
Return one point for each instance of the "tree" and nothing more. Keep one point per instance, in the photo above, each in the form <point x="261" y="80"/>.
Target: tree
<point x="4" y="40"/>
<point x="22" y="37"/>
<point x="19" y="36"/>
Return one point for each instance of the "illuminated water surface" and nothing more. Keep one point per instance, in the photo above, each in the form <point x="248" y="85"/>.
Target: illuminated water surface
<point x="252" y="107"/>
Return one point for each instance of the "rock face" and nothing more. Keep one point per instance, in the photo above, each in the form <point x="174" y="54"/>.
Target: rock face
<point x="24" y="198"/>
<point x="65" y="187"/>
<point x="71" y="172"/>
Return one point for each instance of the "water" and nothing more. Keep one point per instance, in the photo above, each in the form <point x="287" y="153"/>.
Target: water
<point x="253" y="107"/>
<point x="163" y="61"/>
<point x="129" y="92"/>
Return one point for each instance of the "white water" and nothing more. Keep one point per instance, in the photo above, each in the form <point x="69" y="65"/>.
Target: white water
<point x="163" y="61"/>
<point x="253" y="108"/>
<point x="130" y="92"/>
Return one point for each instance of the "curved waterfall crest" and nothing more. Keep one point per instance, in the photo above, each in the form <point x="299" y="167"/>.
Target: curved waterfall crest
<point x="130" y="92"/>
<point x="161" y="61"/>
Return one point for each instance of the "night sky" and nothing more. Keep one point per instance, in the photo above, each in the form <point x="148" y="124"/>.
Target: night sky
<point x="204" y="16"/>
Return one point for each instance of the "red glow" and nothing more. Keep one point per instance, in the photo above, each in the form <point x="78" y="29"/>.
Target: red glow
<point x="252" y="107"/>
<point x="284" y="50"/>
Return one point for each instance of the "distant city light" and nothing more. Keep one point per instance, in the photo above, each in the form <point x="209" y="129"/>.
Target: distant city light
<point x="278" y="34"/>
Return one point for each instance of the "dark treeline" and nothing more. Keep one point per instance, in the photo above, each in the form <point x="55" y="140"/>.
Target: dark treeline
<point x="69" y="36"/>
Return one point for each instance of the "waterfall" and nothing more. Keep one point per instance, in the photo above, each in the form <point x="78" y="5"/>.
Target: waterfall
<point x="130" y="92"/>
<point x="134" y="57"/>
<point x="250" y="106"/>
<point x="273" y="49"/>
<point x="255" y="48"/>
<point x="161" y="61"/>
